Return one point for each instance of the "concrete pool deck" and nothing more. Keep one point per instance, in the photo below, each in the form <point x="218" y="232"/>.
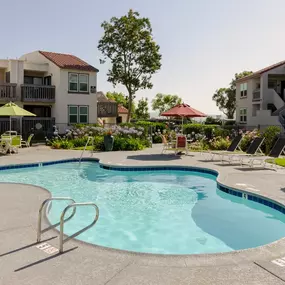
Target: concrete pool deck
<point x="21" y="262"/>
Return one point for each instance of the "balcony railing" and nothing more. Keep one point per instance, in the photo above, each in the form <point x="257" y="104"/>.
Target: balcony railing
<point x="38" y="93"/>
<point x="256" y="95"/>
<point x="107" y="109"/>
<point x="8" y="92"/>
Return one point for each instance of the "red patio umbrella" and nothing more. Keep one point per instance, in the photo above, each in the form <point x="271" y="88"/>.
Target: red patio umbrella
<point x="184" y="111"/>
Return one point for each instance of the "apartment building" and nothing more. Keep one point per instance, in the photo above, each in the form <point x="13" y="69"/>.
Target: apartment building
<point x="260" y="97"/>
<point x="59" y="88"/>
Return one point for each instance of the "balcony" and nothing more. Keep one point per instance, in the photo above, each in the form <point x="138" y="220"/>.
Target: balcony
<point x="8" y="92"/>
<point x="38" y="93"/>
<point x="256" y="95"/>
<point x="107" y="109"/>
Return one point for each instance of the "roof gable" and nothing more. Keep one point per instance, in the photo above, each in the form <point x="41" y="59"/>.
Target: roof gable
<point x="68" y="61"/>
<point x="261" y="71"/>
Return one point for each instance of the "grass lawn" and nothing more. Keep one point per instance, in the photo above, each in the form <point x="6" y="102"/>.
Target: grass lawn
<point x="278" y="161"/>
<point x="82" y="147"/>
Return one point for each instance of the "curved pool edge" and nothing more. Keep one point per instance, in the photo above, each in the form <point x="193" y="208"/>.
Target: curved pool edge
<point x="249" y="253"/>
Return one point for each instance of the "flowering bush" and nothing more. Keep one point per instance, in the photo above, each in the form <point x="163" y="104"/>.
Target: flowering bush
<point x="219" y="143"/>
<point x="248" y="136"/>
<point x="270" y="135"/>
<point x="86" y="131"/>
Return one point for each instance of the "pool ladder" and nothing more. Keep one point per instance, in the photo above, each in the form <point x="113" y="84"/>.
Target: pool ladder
<point x="87" y="143"/>
<point x="72" y="205"/>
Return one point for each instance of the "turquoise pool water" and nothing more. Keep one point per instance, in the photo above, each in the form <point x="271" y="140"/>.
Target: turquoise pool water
<point x="167" y="212"/>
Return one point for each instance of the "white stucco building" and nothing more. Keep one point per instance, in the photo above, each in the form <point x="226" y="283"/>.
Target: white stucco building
<point x="260" y="97"/>
<point x="59" y="88"/>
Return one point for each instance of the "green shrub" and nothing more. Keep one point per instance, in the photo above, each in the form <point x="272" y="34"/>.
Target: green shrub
<point x="99" y="143"/>
<point x="127" y="144"/>
<point x="156" y="139"/>
<point x="80" y="126"/>
<point x="270" y="135"/>
<point x="79" y="142"/>
<point x="61" y="144"/>
<point x="207" y="130"/>
<point x="220" y="143"/>
<point x="221" y="132"/>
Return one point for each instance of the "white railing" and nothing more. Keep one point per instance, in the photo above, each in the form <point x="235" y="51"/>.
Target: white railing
<point x="275" y="98"/>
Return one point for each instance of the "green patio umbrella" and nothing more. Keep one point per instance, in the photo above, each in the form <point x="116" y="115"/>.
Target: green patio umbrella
<point x="13" y="110"/>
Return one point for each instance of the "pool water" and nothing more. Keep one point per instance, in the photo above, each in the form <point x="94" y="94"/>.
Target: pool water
<point x="166" y="212"/>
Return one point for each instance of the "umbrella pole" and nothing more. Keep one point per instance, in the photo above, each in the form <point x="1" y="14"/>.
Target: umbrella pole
<point x="182" y="125"/>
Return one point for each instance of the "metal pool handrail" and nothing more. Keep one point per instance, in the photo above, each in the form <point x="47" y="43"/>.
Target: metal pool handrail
<point x="39" y="229"/>
<point x="74" y="205"/>
<point x="88" y="140"/>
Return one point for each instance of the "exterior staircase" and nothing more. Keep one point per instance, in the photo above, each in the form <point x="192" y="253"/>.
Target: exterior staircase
<point x="281" y="117"/>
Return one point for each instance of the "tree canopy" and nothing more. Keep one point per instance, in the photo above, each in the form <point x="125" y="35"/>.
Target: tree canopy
<point x="134" y="55"/>
<point x="121" y="99"/>
<point x="164" y="102"/>
<point x="142" y="111"/>
<point x="225" y="98"/>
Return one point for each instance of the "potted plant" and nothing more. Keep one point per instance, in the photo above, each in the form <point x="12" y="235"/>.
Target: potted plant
<point x="108" y="141"/>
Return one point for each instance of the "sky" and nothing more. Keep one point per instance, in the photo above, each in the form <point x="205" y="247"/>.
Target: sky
<point x="203" y="42"/>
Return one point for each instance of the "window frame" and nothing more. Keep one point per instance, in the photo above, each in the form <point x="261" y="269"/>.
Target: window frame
<point x="78" y="83"/>
<point x="243" y="115"/>
<point x="87" y="114"/>
<point x="78" y="114"/>
<point x="243" y="90"/>
<point x="87" y="77"/>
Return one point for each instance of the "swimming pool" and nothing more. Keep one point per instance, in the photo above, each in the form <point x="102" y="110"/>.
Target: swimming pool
<point x="161" y="211"/>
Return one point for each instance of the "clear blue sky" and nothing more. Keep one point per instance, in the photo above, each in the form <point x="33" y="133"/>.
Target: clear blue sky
<point x="203" y="42"/>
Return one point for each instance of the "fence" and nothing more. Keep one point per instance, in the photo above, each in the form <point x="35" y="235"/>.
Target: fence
<point x="40" y="127"/>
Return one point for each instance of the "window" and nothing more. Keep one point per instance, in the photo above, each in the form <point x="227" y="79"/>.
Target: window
<point x="83" y="82"/>
<point x="243" y="90"/>
<point x="78" y="114"/>
<point x="73" y="82"/>
<point x="73" y="114"/>
<point x="78" y="82"/>
<point x="83" y="114"/>
<point x="243" y="115"/>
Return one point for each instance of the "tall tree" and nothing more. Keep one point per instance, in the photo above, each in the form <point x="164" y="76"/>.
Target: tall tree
<point x="142" y="112"/>
<point x="225" y="98"/>
<point x="119" y="97"/>
<point x="129" y="45"/>
<point x="164" y="102"/>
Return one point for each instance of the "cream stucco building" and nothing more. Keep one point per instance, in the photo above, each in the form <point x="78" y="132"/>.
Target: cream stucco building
<point x="260" y="97"/>
<point x="59" y="88"/>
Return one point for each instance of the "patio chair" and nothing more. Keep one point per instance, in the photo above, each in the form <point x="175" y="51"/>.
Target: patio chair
<point x="231" y="149"/>
<point x="253" y="150"/>
<point x="16" y="143"/>
<point x="167" y="146"/>
<point x="181" y="144"/>
<point x="28" y="142"/>
<point x="277" y="150"/>
<point x="4" y="146"/>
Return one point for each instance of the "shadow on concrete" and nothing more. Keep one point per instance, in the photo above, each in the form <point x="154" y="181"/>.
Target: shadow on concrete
<point x="282" y="189"/>
<point x="208" y="160"/>
<point x="154" y="157"/>
<point x="44" y="259"/>
<point x="26" y="246"/>
<point x="249" y="169"/>
<point x="226" y="164"/>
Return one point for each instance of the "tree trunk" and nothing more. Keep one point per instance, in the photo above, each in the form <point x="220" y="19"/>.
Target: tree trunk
<point x="130" y="108"/>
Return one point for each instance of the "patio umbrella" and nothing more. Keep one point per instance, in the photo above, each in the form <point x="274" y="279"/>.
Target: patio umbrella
<point x="184" y="111"/>
<point x="13" y="110"/>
